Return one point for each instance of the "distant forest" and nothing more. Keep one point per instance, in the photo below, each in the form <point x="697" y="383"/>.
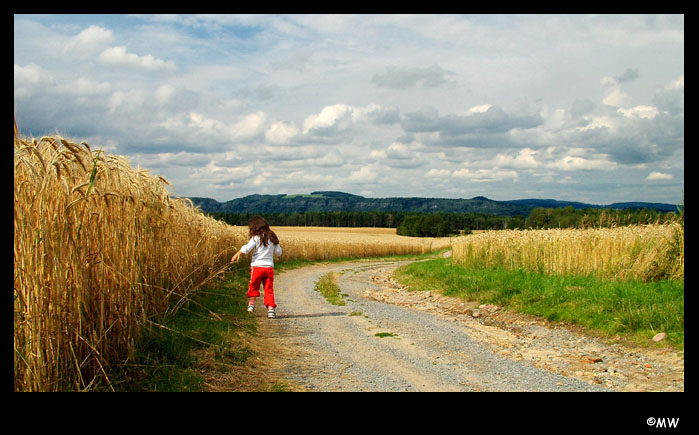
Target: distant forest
<point x="438" y="224"/>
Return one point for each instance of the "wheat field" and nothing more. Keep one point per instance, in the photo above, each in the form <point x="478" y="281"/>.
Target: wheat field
<point x="100" y="249"/>
<point x="324" y="243"/>
<point x="646" y="252"/>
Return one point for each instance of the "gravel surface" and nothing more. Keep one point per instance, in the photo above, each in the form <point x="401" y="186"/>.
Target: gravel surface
<point x="317" y="346"/>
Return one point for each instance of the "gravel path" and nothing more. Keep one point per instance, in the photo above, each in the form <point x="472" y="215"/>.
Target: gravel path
<point x="323" y="347"/>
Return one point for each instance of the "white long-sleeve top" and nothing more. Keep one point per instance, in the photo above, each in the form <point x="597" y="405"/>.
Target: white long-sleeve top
<point x="262" y="256"/>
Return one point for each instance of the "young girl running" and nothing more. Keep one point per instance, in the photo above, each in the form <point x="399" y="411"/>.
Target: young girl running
<point x="264" y="245"/>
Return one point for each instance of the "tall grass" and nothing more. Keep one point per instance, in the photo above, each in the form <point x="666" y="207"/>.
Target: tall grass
<point x="646" y="252"/>
<point x="99" y="249"/>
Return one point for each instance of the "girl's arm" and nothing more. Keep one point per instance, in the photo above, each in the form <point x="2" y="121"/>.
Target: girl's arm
<point x="236" y="256"/>
<point x="244" y="249"/>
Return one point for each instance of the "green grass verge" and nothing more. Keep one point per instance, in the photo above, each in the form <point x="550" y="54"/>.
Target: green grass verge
<point x="629" y="309"/>
<point x="164" y="355"/>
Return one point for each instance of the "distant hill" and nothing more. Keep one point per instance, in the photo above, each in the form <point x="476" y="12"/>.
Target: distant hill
<point x="334" y="201"/>
<point x="552" y="203"/>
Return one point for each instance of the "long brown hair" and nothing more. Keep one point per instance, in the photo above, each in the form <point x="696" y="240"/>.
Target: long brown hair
<point x="259" y="227"/>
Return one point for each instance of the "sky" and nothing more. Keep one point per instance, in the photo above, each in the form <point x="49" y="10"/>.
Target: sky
<point x="571" y="107"/>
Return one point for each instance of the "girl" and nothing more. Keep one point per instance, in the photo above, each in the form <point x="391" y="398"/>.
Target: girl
<point x="264" y="245"/>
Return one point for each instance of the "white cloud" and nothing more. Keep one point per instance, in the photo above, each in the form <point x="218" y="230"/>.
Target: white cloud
<point x="331" y="159"/>
<point x="400" y="151"/>
<point x="28" y="79"/>
<point x="118" y="56"/>
<point x="196" y="126"/>
<point x="677" y="85"/>
<point x="199" y="121"/>
<point x="658" y="176"/>
<point x="331" y="118"/>
<point x="571" y="163"/>
<point x="164" y="93"/>
<point x="376" y="114"/>
<point x="252" y="124"/>
<point x="408" y="77"/>
<point x="129" y="101"/>
<point x="524" y="159"/>
<point x="484" y="175"/>
<point x="289" y="155"/>
<point x="302" y="176"/>
<point x="646" y="112"/>
<point x="89" y="41"/>
<point x="439" y="173"/>
<point x="85" y="86"/>
<point x="341" y="118"/>
<point x="365" y="174"/>
<point x="616" y="97"/>
<point x="480" y="108"/>
<point x="29" y="75"/>
<point x="280" y="132"/>
<point x="594" y="122"/>
<point x="378" y="154"/>
<point x="239" y="173"/>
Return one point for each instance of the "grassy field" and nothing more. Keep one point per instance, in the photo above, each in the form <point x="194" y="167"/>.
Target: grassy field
<point x="630" y="309"/>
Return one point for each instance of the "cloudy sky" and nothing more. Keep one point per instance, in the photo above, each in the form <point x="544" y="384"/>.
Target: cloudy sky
<point x="569" y="107"/>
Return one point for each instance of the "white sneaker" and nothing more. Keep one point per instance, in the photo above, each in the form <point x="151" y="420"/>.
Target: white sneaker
<point x="251" y="308"/>
<point x="271" y="313"/>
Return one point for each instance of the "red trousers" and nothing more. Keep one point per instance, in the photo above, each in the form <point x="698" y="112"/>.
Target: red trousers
<point x="264" y="276"/>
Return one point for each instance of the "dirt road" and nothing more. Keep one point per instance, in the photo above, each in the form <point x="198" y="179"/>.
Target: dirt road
<point x="427" y="342"/>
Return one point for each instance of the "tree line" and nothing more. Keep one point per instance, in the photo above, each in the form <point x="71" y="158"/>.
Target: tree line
<point x="444" y="224"/>
<point x="409" y="222"/>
